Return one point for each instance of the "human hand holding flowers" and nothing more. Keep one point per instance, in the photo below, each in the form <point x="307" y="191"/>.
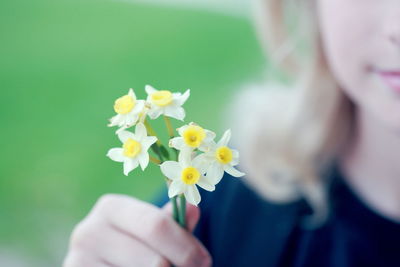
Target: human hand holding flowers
<point x="124" y="231"/>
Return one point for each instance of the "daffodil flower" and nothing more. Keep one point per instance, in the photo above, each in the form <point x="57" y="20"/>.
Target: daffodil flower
<point x="221" y="158"/>
<point x="165" y="102"/>
<point x="185" y="175"/>
<point x="128" y="109"/>
<point x="192" y="136"/>
<point x="134" y="149"/>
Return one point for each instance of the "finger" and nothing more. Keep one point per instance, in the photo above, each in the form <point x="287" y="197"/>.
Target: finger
<point x="96" y="241"/>
<point x="78" y="259"/>
<point x="128" y="251"/>
<point x="192" y="214"/>
<point x="119" y="248"/>
<point x="153" y="227"/>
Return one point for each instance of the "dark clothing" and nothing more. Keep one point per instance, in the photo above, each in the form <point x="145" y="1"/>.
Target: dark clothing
<point x="239" y="228"/>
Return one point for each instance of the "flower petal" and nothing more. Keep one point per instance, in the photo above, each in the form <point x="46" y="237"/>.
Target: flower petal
<point x="139" y="106"/>
<point x="205" y="184"/>
<point x="132" y="93"/>
<point x="124" y="135"/>
<point x="171" y="169"/>
<point x="129" y="165"/>
<point x="143" y="114"/>
<point x="116" y="154"/>
<point x="235" y="157"/>
<point x="176" y="112"/>
<point x="233" y="171"/>
<point x="177" y="143"/>
<point x="215" y="173"/>
<point x="180" y="100"/>
<point x="209" y="135"/>
<point x="207" y="146"/>
<point x="201" y="163"/>
<point x="182" y="129"/>
<point x="208" y="143"/>
<point x="148" y="141"/>
<point x="149" y="89"/>
<point x="129" y="120"/>
<point x="175" y="188"/>
<point x="155" y="112"/>
<point x="192" y="195"/>
<point x="225" y="138"/>
<point x="185" y="157"/>
<point x="140" y="131"/>
<point x="143" y="159"/>
<point x="114" y="121"/>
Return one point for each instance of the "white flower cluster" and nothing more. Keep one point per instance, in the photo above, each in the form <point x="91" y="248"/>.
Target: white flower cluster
<point x="131" y="111"/>
<point x="201" y="161"/>
<point x="204" y="169"/>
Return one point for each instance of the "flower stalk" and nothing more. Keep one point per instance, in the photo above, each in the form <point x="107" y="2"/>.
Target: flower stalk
<point x="182" y="211"/>
<point x="169" y="127"/>
<point x="155" y="161"/>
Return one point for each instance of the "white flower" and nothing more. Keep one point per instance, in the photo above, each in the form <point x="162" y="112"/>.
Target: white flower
<point x="128" y="109"/>
<point x="185" y="175"/>
<point x="192" y="136"/>
<point x="134" y="149"/>
<point x="221" y="158"/>
<point x="167" y="103"/>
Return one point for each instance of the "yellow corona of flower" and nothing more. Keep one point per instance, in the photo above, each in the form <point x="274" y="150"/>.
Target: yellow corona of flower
<point x="220" y="158"/>
<point x="134" y="150"/>
<point x="185" y="175"/>
<point x="192" y="136"/>
<point x="164" y="102"/>
<point x="128" y="109"/>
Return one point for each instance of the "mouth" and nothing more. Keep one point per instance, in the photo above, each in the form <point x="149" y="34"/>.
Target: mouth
<point x="391" y="79"/>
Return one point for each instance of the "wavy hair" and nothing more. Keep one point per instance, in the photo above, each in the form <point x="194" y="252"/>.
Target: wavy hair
<point x="289" y="133"/>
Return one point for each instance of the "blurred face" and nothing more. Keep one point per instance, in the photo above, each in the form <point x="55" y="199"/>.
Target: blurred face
<point x="361" y="41"/>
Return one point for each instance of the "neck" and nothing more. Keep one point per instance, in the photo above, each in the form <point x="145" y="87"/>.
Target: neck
<point x="371" y="165"/>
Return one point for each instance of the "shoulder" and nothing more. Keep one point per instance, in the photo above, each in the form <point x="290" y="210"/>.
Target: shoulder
<point x="237" y="225"/>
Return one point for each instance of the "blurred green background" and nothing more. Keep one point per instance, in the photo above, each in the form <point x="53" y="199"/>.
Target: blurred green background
<point x="63" y="63"/>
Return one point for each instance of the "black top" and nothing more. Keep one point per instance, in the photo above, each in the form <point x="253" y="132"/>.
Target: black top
<point x="239" y="228"/>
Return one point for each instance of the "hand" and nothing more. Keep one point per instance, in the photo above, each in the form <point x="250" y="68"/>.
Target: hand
<point x="123" y="231"/>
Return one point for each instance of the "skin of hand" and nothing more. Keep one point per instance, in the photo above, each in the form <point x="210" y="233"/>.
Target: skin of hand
<point x="123" y="231"/>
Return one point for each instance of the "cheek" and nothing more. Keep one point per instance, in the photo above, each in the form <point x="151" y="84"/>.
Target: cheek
<point x="343" y="40"/>
<point x="352" y="42"/>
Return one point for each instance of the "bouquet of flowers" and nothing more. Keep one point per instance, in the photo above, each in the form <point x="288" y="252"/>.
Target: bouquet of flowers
<point x="197" y="159"/>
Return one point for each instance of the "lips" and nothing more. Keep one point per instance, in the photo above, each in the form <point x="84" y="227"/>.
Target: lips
<point x="391" y="78"/>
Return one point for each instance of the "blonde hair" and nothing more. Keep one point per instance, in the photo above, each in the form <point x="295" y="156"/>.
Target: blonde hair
<point x="290" y="133"/>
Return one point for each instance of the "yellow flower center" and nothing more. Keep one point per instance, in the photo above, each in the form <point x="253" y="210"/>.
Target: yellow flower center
<point x="190" y="175"/>
<point x="132" y="148"/>
<point x="162" y="98"/>
<point x="124" y="104"/>
<point x="223" y="154"/>
<point x="194" y="135"/>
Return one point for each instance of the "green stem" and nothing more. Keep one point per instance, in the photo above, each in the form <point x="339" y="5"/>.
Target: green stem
<point x="156" y="150"/>
<point x="155" y="161"/>
<point x="151" y="131"/>
<point x="175" y="211"/>
<point x="182" y="211"/>
<point x="169" y="127"/>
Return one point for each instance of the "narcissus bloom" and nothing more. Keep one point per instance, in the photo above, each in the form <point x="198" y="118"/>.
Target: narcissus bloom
<point x="165" y="102"/>
<point x="134" y="151"/>
<point x="221" y="158"/>
<point x="192" y="136"/>
<point x="185" y="175"/>
<point x="128" y="109"/>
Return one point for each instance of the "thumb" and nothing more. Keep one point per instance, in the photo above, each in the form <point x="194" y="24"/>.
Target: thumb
<point x="192" y="215"/>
